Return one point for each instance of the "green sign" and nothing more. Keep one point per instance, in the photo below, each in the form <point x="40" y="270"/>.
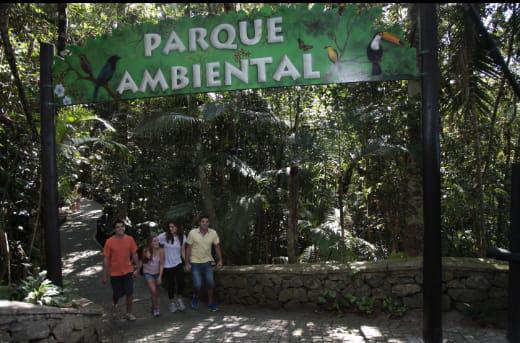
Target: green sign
<point x="271" y="47"/>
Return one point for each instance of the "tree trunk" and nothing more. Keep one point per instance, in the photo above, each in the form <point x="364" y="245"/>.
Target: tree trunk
<point x="207" y="197"/>
<point x="412" y="240"/>
<point x="62" y="27"/>
<point x="292" y="229"/>
<point x="470" y="45"/>
<point x="292" y="232"/>
<point x="11" y="58"/>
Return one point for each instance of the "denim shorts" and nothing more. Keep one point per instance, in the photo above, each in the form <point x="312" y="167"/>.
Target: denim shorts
<point x="150" y="276"/>
<point x="200" y="270"/>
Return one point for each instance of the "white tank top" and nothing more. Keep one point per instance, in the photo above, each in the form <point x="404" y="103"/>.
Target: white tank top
<point x="172" y="251"/>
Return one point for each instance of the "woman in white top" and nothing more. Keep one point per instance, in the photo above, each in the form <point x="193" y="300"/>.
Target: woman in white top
<point x="174" y="244"/>
<point x="152" y="262"/>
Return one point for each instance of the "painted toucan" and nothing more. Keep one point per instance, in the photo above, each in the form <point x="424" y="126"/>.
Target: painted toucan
<point x="375" y="51"/>
<point x="105" y="74"/>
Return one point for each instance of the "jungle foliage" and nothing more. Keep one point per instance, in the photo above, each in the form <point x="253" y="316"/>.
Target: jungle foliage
<point x="354" y="150"/>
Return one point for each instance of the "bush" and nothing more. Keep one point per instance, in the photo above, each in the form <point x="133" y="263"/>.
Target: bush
<point x="39" y="290"/>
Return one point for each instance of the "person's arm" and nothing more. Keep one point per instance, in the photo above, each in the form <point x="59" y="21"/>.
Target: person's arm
<point x="137" y="262"/>
<point x="106" y="270"/>
<point x="219" y="255"/>
<point x="135" y="258"/>
<point x="183" y="249"/>
<point x="188" y="254"/>
<point x="161" y="266"/>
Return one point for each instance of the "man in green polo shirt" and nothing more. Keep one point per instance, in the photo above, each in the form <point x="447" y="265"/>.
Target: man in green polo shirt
<point x="200" y="260"/>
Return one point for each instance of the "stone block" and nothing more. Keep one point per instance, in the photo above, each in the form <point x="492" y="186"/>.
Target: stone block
<point x="501" y="280"/>
<point x="46" y="340"/>
<point x="363" y="291"/>
<point x="406" y="289"/>
<point x="478" y="281"/>
<point x="456" y="283"/>
<point x="414" y="301"/>
<point x="313" y="283"/>
<point x="285" y="295"/>
<point x="496" y="292"/>
<point x="63" y="330"/>
<point x="314" y="294"/>
<point x="26" y="331"/>
<point x="467" y="295"/>
<point x="292" y="283"/>
<point x="292" y="305"/>
<point x="446" y="303"/>
<point x="375" y="280"/>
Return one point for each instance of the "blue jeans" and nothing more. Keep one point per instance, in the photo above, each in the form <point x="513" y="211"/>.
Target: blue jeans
<point x="198" y="270"/>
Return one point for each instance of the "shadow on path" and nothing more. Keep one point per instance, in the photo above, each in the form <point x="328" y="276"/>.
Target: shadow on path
<point x="82" y="265"/>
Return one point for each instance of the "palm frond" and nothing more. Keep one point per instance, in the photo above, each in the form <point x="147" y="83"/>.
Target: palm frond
<point x="162" y="124"/>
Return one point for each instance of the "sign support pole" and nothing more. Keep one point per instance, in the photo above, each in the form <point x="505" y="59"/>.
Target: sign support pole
<point x="432" y="261"/>
<point x="48" y="165"/>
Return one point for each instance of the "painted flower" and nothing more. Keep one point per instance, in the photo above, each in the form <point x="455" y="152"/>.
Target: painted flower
<point x="59" y="90"/>
<point x="67" y="101"/>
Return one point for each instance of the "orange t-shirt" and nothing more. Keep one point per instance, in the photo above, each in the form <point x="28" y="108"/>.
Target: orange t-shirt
<point x="119" y="252"/>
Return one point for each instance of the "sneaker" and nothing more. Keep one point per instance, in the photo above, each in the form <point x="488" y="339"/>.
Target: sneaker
<point x="195" y="303"/>
<point x="130" y="317"/>
<point x="180" y="304"/>
<point x="156" y="313"/>
<point x="213" y="307"/>
<point x="172" y="307"/>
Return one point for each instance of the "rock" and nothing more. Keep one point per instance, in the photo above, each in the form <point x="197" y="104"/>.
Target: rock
<point x="478" y="281"/>
<point x="406" y="289"/>
<point x="446" y="303"/>
<point x="496" y="292"/>
<point x="292" y="283"/>
<point x="457" y="283"/>
<point x="414" y="301"/>
<point x="29" y="330"/>
<point x="331" y="285"/>
<point x="46" y="340"/>
<point x="313" y="283"/>
<point x="63" y="330"/>
<point x="285" y="295"/>
<point x="501" y="280"/>
<point x="314" y="294"/>
<point x="466" y="295"/>
<point x="363" y="291"/>
<point x="292" y="305"/>
<point x="375" y="280"/>
<point x="447" y="276"/>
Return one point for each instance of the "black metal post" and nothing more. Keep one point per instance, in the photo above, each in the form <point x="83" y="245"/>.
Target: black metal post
<point x="432" y="262"/>
<point x="49" y="174"/>
<point x="513" y="308"/>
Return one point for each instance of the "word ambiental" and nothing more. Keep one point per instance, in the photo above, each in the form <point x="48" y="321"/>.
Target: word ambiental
<point x="197" y="39"/>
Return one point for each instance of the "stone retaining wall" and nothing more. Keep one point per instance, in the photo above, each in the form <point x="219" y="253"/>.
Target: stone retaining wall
<point x="480" y="284"/>
<point x="24" y="322"/>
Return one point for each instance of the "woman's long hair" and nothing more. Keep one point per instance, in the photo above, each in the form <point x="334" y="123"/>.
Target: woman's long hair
<point x="148" y="248"/>
<point x="169" y="237"/>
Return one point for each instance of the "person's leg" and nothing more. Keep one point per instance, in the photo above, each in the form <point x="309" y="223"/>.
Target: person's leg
<point x="169" y="274"/>
<point x="197" y="283"/>
<point x="179" y="280"/>
<point x="210" y="283"/>
<point x="129" y="291"/>
<point x="152" y="286"/>
<point x="117" y="289"/>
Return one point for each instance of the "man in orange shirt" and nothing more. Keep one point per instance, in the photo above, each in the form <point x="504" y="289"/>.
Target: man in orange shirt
<point x="120" y="251"/>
